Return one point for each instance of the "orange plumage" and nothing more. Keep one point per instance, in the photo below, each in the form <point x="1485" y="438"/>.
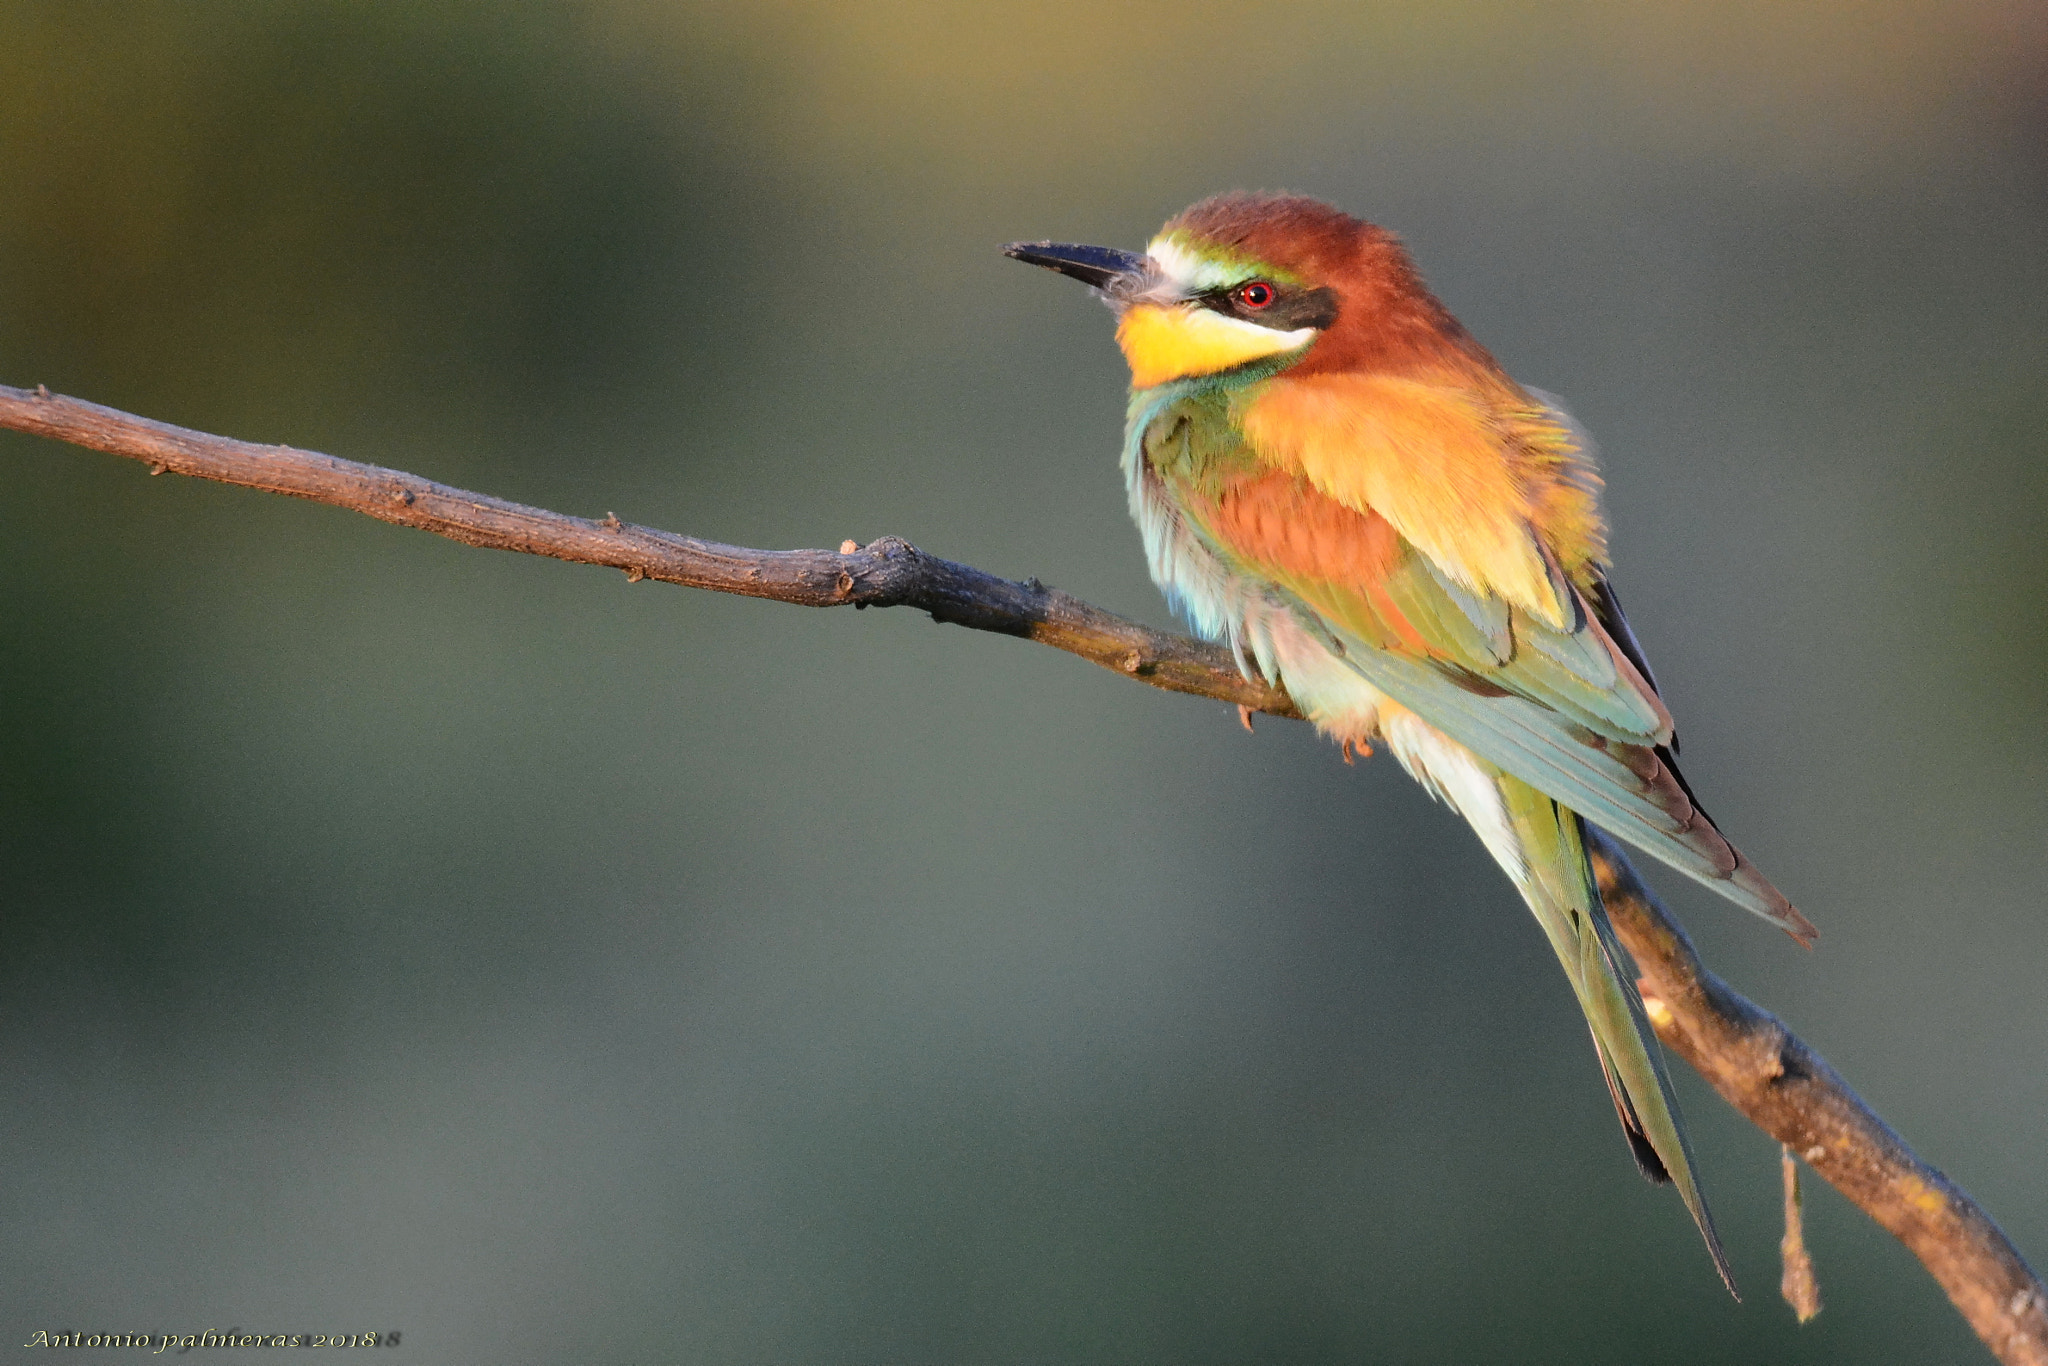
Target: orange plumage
<point x="1334" y="476"/>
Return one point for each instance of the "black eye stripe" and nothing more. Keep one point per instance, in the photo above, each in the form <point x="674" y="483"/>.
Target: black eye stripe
<point x="1293" y="306"/>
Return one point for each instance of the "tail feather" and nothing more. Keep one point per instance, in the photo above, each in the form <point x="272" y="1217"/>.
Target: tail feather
<point x="1558" y="884"/>
<point x="1639" y="1146"/>
<point x="1542" y="845"/>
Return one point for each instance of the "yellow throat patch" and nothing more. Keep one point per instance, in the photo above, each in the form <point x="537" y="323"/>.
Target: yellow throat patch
<point x="1168" y="342"/>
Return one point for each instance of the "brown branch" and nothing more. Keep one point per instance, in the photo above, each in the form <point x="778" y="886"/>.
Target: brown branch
<point x="1758" y="1066"/>
<point x="886" y="573"/>
<point x="1786" y="1089"/>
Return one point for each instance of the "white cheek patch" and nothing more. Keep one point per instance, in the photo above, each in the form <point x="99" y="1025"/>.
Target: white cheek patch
<point x="1253" y="334"/>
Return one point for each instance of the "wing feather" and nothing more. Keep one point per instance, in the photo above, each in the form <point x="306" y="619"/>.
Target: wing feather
<point x="1555" y="699"/>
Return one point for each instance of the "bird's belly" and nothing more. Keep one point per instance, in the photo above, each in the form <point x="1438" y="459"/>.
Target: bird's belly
<point x="1261" y="627"/>
<point x="1265" y="629"/>
<point x="1329" y="692"/>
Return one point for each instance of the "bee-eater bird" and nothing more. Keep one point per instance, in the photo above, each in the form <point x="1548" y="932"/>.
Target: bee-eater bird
<point x="1334" y="477"/>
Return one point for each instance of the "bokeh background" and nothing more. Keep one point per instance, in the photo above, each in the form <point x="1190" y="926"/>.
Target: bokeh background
<point x="398" y="935"/>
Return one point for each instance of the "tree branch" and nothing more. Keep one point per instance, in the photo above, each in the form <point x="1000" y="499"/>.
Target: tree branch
<point x="1758" y="1066"/>
<point x="887" y="573"/>
<point x="1786" y="1089"/>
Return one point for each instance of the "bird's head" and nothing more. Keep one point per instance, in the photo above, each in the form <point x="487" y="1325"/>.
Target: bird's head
<point x="1245" y="282"/>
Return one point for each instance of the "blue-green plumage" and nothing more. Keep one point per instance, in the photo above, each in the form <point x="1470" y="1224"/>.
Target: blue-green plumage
<point x="1333" y="477"/>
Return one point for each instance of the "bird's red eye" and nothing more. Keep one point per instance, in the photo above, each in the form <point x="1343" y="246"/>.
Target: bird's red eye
<point x="1257" y="294"/>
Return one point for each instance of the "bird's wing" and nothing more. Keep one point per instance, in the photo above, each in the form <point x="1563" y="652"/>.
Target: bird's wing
<point x="1466" y="470"/>
<point x="1559" y="703"/>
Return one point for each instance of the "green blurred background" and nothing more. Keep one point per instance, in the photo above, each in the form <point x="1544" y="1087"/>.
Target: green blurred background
<point x="399" y="935"/>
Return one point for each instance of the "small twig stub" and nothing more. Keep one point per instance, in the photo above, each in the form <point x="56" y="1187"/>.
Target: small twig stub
<point x="1798" y="1284"/>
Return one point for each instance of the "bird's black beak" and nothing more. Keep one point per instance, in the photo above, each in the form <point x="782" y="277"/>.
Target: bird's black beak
<point x="1107" y="269"/>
